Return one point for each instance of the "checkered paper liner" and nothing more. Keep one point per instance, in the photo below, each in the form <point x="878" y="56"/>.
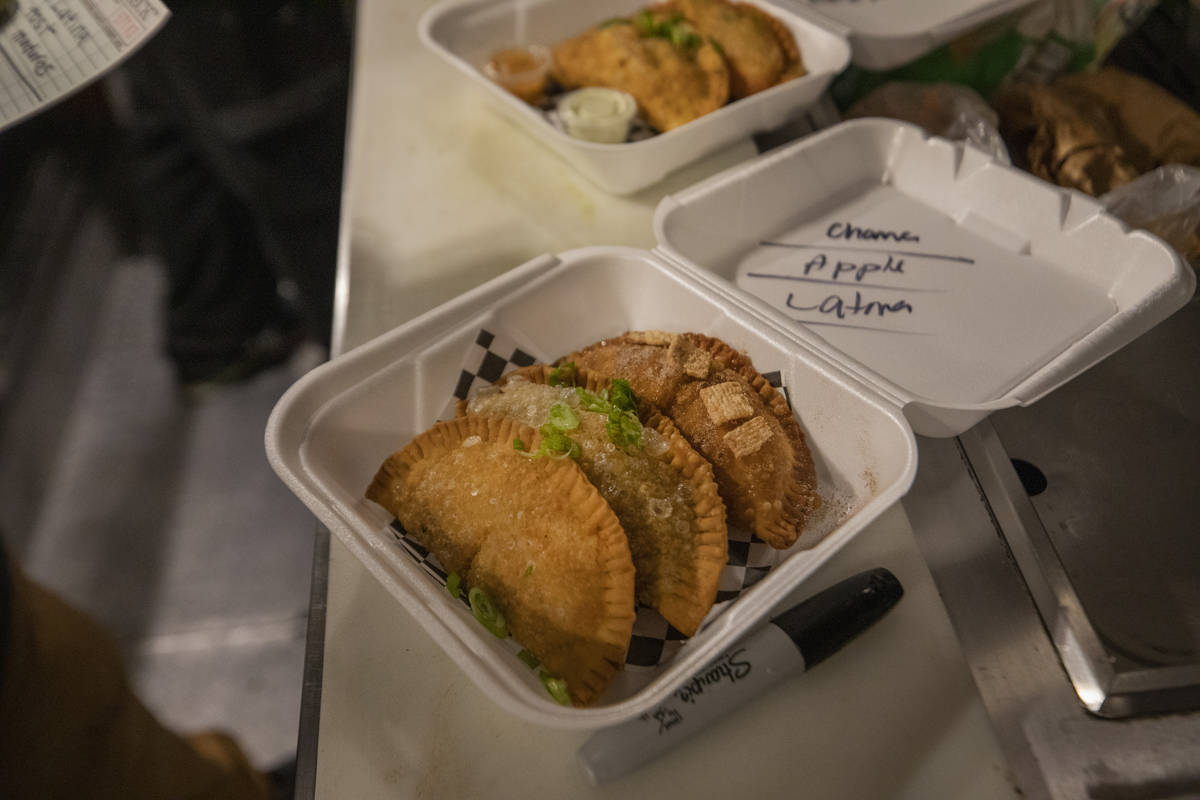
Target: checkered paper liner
<point x="654" y="640"/>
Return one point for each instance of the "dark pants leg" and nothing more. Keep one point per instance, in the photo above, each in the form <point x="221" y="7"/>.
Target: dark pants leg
<point x="237" y="156"/>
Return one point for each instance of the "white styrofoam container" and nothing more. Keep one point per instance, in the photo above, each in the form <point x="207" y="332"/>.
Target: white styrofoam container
<point x="1016" y="285"/>
<point x="466" y="32"/>
<point x="331" y="430"/>
<point x="888" y="33"/>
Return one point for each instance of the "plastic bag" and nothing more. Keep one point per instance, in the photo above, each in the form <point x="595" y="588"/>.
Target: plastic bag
<point x="1165" y="202"/>
<point x="1036" y="44"/>
<point x="943" y="109"/>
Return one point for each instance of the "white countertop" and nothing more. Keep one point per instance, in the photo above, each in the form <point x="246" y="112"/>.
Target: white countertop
<point x="440" y="196"/>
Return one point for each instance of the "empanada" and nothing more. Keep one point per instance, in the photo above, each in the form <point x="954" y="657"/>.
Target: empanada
<point x="662" y="491"/>
<point x="672" y="84"/>
<point x="532" y="533"/>
<point x="731" y="415"/>
<point x="759" y="49"/>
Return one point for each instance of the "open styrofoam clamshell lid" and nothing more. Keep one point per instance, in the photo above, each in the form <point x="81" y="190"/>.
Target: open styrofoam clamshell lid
<point x="955" y="284"/>
<point x="330" y="432"/>
<point x="888" y="33"/>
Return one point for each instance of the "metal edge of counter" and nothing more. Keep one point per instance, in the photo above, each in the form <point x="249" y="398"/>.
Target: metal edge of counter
<point x="314" y="657"/>
<point x="308" y="731"/>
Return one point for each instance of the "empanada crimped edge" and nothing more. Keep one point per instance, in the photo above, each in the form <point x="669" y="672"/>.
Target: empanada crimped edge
<point x="560" y="478"/>
<point x="685" y="603"/>
<point x="783" y="527"/>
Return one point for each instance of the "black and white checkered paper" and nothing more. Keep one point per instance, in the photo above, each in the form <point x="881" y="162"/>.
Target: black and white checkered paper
<point x="654" y="641"/>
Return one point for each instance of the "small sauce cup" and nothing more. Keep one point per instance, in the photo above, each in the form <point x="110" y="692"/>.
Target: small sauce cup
<point x="521" y="69"/>
<point x="597" y="114"/>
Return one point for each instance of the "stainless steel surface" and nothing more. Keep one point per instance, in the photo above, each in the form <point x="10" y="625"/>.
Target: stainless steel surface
<point x="1054" y="746"/>
<point x="314" y="651"/>
<point x="1079" y="650"/>
<point x="1010" y="657"/>
<point x="1110" y="545"/>
<point x="1073" y="584"/>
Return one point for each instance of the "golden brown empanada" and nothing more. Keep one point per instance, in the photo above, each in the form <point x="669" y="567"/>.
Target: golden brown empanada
<point x="759" y="49"/>
<point x="731" y="415"/>
<point x="661" y="490"/>
<point x="532" y="533"/>
<point x="672" y="84"/>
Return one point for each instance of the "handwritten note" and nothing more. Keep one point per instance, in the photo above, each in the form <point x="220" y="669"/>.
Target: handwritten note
<point x="915" y="295"/>
<point x="51" y="48"/>
<point x="870" y="270"/>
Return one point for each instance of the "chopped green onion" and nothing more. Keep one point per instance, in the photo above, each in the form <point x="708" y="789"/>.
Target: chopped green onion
<point x="557" y="443"/>
<point x="623" y="396"/>
<point x="682" y="36"/>
<point x="674" y="29"/>
<point x="592" y="401"/>
<point x="623" y="427"/>
<point x="528" y="570"/>
<point x="624" y="430"/>
<point x="486" y="612"/>
<point x="557" y="687"/>
<point x="608" y="23"/>
<point x="716" y="46"/>
<point x="528" y="659"/>
<point x="454" y="585"/>
<point x="644" y="20"/>
<point x="562" y="417"/>
<point x="563" y="375"/>
<point x="518" y="444"/>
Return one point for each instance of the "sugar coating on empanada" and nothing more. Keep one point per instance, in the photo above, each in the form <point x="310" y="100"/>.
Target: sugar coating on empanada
<point x="662" y="491"/>
<point x="685" y="593"/>
<point x="765" y="473"/>
<point x="533" y="533"/>
<point x="640" y="357"/>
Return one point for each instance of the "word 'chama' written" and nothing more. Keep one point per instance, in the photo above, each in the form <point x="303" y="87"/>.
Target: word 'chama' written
<point x="848" y="230"/>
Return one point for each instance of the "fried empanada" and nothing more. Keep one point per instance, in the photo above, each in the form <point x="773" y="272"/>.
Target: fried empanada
<point x="731" y="415"/>
<point x="640" y="357"/>
<point x="532" y="533"/>
<point x="661" y="490"/>
<point x="672" y="84"/>
<point x="760" y="50"/>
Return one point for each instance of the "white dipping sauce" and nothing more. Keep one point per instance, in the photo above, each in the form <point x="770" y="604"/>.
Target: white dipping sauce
<point x="597" y="114"/>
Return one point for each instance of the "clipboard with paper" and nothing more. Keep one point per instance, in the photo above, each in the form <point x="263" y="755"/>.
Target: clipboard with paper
<point x="50" y="49"/>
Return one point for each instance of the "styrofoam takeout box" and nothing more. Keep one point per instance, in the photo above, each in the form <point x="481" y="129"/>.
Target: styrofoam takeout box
<point x="1040" y="283"/>
<point x="466" y="33"/>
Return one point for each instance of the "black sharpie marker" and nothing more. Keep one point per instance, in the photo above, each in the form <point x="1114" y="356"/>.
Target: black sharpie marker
<point x="794" y="642"/>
